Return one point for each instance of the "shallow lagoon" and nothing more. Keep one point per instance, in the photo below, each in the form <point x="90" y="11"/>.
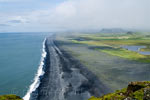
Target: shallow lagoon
<point x="136" y="49"/>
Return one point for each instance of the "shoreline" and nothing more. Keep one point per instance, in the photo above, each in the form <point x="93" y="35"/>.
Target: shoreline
<point x="97" y="84"/>
<point x="40" y="73"/>
<point x="65" y="77"/>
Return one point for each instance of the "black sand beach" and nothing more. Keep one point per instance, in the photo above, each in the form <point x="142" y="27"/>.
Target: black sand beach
<point x="65" y="77"/>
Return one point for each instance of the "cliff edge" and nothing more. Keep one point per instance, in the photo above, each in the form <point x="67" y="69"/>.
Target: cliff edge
<point x="10" y="97"/>
<point x="134" y="91"/>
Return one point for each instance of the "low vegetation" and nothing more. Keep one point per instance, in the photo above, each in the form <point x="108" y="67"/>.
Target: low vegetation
<point x="134" y="91"/>
<point x="111" y="44"/>
<point x="10" y="97"/>
<point x="128" y="54"/>
<point x="145" y="49"/>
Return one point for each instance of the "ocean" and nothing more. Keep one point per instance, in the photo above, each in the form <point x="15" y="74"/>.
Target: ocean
<point x="20" y="59"/>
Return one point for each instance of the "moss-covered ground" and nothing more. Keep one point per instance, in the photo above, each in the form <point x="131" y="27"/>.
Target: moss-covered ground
<point x="10" y="97"/>
<point x="145" y="49"/>
<point x="134" y="91"/>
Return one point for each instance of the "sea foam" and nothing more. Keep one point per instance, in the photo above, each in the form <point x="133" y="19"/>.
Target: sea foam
<point x="40" y="73"/>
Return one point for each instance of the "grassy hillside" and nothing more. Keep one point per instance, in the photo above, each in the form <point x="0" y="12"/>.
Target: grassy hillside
<point x="134" y="91"/>
<point x="10" y="97"/>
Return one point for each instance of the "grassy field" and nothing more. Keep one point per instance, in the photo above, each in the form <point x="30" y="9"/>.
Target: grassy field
<point x="145" y="49"/>
<point x="134" y="91"/>
<point x="111" y="44"/>
<point x="10" y="97"/>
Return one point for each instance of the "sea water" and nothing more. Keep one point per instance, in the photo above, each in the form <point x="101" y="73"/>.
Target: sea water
<point x="20" y="59"/>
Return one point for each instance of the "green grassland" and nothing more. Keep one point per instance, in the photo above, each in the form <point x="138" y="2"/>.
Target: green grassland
<point x="10" y="97"/>
<point x="112" y="43"/>
<point x="134" y="91"/>
<point x="145" y="49"/>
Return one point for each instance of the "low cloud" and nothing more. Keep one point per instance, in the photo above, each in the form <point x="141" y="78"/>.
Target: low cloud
<point x="15" y="21"/>
<point x="4" y="25"/>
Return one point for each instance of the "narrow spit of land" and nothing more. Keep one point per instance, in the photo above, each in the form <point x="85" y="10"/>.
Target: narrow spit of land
<point x="66" y="78"/>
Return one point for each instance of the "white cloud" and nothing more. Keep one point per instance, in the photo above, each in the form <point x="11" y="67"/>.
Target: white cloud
<point x="7" y="1"/>
<point x="17" y="19"/>
<point x="90" y="14"/>
<point x="102" y="13"/>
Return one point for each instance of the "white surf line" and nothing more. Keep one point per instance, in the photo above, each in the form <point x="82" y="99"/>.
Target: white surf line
<point x="40" y="72"/>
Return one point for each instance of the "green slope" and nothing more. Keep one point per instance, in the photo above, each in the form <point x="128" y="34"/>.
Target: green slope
<point x="134" y="91"/>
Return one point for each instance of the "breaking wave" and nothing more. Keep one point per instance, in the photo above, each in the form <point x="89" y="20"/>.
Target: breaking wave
<point x="40" y="73"/>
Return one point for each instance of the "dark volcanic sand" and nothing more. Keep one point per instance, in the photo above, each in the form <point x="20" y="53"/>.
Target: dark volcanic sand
<point x="66" y="78"/>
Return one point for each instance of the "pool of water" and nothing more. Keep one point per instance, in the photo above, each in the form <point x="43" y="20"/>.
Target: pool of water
<point x="136" y="49"/>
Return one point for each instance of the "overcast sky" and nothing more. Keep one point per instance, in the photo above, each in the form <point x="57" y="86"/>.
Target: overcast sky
<point x="53" y="15"/>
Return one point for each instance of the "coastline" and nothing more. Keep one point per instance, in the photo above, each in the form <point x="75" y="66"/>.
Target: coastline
<point x="96" y="85"/>
<point x="65" y="77"/>
<point x="40" y="73"/>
